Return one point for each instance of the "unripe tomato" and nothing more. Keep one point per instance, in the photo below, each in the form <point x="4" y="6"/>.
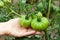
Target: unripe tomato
<point x="1" y="4"/>
<point x="7" y="1"/>
<point x="42" y="25"/>
<point x="39" y="14"/>
<point x="25" y="22"/>
<point x="34" y="16"/>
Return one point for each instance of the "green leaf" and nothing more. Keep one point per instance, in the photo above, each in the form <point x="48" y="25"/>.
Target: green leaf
<point x="21" y="4"/>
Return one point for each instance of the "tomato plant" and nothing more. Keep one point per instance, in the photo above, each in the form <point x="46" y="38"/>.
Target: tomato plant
<point x="47" y="10"/>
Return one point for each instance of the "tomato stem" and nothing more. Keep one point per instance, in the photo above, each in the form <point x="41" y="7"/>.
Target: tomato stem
<point x="12" y="1"/>
<point x="8" y="6"/>
<point x="31" y="15"/>
<point x="49" y="9"/>
<point x="26" y="17"/>
<point x="38" y="19"/>
<point x="46" y="35"/>
<point x="17" y="14"/>
<point x="32" y="1"/>
<point x="14" y="13"/>
<point x="0" y="10"/>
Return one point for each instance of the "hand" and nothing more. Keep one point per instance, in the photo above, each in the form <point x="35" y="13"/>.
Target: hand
<point x="13" y="28"/>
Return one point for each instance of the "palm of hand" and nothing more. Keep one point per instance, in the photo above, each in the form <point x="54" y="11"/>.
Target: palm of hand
<point x="15" y="29"/>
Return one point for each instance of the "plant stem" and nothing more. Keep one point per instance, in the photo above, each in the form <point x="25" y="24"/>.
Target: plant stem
<point x="59" y="0"/>
<point x="13" y="12"/>
<point x="8" y="6"/>
<point x="46" y="35"/>
<point x="32" y="1"/>
<point x="19" y="6"/>
<point x="43" y="1"/>
<point x="12" y="1"/>
<point x="0" y="10"/>
<point x="58" y="15"/>
<point x="17" y="14"/>
<point x="49" y="9"/>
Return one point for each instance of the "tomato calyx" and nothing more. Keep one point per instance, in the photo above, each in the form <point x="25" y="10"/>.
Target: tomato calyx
<point x="35" y="14"/>
<point x="26" y="17"/>
<point x="39" y="19"/>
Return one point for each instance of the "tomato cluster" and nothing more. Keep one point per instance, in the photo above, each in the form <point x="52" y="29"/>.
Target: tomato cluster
<point x="38" y="22"/>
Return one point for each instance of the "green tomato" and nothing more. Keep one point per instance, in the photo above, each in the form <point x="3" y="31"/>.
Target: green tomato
<point x="25" y="22"/>
<point x="34" y="16"/>
<point x="42" y="25"/>
<point x="7" y="1"/>
<point x="1" y="4"/>
<point x="39" y="14"/>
